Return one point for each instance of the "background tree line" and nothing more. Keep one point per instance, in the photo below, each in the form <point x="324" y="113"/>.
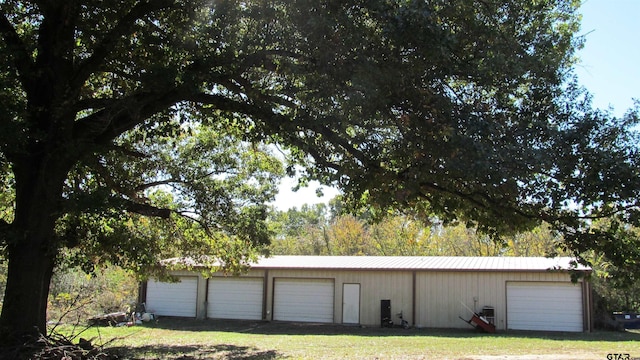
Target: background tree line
<point x="319" y="230"/>
<point x="322" y="229"/>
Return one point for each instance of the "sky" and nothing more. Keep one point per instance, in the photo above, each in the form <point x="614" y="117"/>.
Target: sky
<point x="609" y="68"/>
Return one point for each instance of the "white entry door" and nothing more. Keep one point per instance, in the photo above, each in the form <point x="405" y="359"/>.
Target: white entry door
<point x="351" y="303"/>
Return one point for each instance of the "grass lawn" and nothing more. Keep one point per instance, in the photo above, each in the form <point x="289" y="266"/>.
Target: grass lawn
<point x="214" y="339"/>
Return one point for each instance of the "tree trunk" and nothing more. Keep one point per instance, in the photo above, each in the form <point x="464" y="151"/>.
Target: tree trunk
<point x="31" y="247"/>
<point x="24" y="311"/>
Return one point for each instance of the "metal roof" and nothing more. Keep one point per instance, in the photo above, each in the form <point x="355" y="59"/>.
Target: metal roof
<point x="436" y="263"/>
<point x="408" y="263"/>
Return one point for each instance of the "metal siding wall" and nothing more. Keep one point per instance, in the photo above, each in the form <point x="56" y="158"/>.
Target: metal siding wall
<point x="381" y="285"/>
<point x="374" y="286"/>
<point x="440" y="295"/>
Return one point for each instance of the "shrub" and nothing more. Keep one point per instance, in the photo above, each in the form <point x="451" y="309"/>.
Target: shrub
<point x="76" y="296"/>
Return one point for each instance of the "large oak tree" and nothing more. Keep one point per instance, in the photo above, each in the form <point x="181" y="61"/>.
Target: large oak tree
<point x="463" y="109"/>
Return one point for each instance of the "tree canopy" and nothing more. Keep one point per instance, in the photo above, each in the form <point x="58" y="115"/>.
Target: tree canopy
<point x="466" y="110"/>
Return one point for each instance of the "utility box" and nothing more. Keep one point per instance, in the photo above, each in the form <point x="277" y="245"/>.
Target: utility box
<point x="385" y="313"/>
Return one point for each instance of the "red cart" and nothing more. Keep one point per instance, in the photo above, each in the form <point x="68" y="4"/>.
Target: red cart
<point x="480" y="323"/>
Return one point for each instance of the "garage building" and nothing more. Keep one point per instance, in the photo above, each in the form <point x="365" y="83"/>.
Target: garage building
<point x="516" y="293"/>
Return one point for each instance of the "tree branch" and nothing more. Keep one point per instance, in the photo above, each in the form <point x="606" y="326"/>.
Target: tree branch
<point x="147" y="210"/>
<point x="206" y="227"/>
<point x="488" y="203"/>
<point x="4" y="226"/>
<point x="21" y="58"/>
<point x="264" y="112"/>
<point x="495" y="206"/>
<point x="111" y="183"/>
<point x="105" y="125"/>
<point x="170" y="181"/>
<point x="127" y="152"/>
<point x="264" y="58"/>
<point x="111" y="39"/>
<point x="93" y="103"/>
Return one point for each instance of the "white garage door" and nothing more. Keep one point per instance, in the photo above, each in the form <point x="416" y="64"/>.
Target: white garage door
<point x="173" y="299"/>
<point x="305" y="300"/>
<point x="544" y="306"/>
<point x="235" y="298"/>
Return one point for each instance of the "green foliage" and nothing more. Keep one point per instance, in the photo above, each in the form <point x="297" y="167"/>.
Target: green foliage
<point x="139" y="244"/>
<point x="539" y="241"/>
<point x="614" y="289"/>
<point x="7" y="195"/>
<point x="300" y="232"/>
<point x="203" y="191"/>
<point x="76" y="296"/>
